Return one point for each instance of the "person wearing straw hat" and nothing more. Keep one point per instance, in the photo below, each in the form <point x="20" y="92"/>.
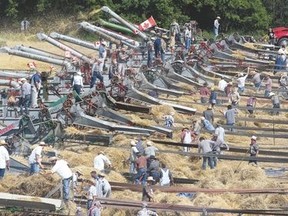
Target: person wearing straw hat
<point x="253" y="149"/>
<point x="101" y="161"/>
<point x="77" y="83"/>
<point x="147" y="191"/>
<point x="216" y="26"/>
<point x="35" y="158"/>
<point x="146" y="212"/>
<point x="4" y="158"/>
<point x="62" y="168"/>
<point x="133" y="157"/>
<point x="102" y="55"/>
<point x="92" y="192"/>
<point x="150" y="150"/>
<point x="103" y="186"/>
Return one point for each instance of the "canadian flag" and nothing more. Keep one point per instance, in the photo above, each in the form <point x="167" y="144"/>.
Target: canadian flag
<point x="147" y="24"/>
<point x="31" y="65"/>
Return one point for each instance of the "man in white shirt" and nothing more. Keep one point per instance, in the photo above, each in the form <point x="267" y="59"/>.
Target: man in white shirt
<point x="241" y="82"/>
<point x="220" y="132"/>
<point x="62" y="169"/>
<point x="35" y="158"/>
<point x="133" y="157"/>
<point x="4" y="159"/>
<point x="100" y="161"/>
<point x="188" y="36"/>
<point x="103" y="186"/>
<point x="216" y="27"/>
<point x="92" y="193"/>
<point x="77" y="84"/>
<point x="222" y="84"/>
<point x="25" y="96"/>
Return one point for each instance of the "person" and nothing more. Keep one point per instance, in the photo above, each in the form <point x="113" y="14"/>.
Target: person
<point x="197" y="126"/>
<point x="216" y="145"/>
<point x="154" y="169"/>
<point x="133" y="157"/>
<point x="139" y="145"/>
<point x="35" y="158"/>
<point x="157" y="47"/>
<point x="275" y="102"/>
<point x="78" y="84"/>
<point x="209" y="114"/>
<point x="35" y="88"/>
<point x="169" y="119"/>
<point x="102" y="55"/>
<point x="4" y="159"/>
<point x="61" y="167"/>
<point x="220" y="132"/>
<point x="166" y="178"/>
<point x="92" y="193"/>
<point x="253" y="149"/>
<point x="228" y="89"/>
<point x="100" y="161"/>
<point x="213" y="96"/>
<point x="149" y="53"/>
<point x="186" y="138"/>
<point x="147" y="191"/>
<point x="280" y="62"/>
<point x="146" y="212"/>
<point x="122" y="62"/>
<point x="271" y="36"/>
<point x="150" y="150"/>
<point x="283" y="80"/>
<point x="141" y="167"/>
<point x="234" y="97"/>
<point x="204" y="93"/>
<point x="96" y="73"/>
<point x="75" y="179"/>
<point x="256" y="79"/>
<point x="241" y="82"/>
<point x="207" y="125"/>
<point x="187" y="36"/>
<point x="96" y="209"/>
<point x="230" y="115"/>
<point x="103" y="187"/>
<point x="25" y="96"/>
<point x="222" y="84"/>
<point x="204" y="147"/>
<point x="163" y="50"/>
<point x="174" y="31"/>
<point x="24" y="25"/>
<point x="216" y="26"/>
<point x="251" y="103"/>
<point x="268" y="86"/>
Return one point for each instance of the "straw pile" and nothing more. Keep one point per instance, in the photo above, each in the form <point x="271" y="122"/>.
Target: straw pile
<point x="74" y="131"/>
<point x="139" y="121"/>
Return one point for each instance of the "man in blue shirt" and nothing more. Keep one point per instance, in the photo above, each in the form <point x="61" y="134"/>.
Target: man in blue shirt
<point x="35" y="88"/>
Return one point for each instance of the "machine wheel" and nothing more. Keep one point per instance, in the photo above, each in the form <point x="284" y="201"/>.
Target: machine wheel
<point x="283" y="41"/>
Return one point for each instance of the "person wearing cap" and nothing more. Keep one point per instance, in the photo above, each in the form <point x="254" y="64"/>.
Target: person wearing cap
<point x="77" y="84"/>
<point x="122" y="62"/>
<point x="96" y="73"/>
<point x="213" y="96"/>
<point x="150" y="150"/>
<point x="146" y="212"/>
<point x="101" y="161"/>
<point x="133" y="157"/>
<point x="4" y="159"/>
<point x="147" y="191"/>
<point x="169" y="119"/>
<point x="61" y="167"/>
<point x="204" y="93"/>
<point x="216" y="26"/>
<point x="25" y="99"/>
<point x="141" y="167"/>
<point x="186" y="138"/>
<point x="204" y="147"/>
<point x="154" y="168"/>
<point x="103" y="186"/>
<point x="207" y="125"/>
<point x="275" y="102"/>
<point x="35" y="88"/>
<point x="241" y="81"/>
<point x="35" y="158"/>
<point x="102" y="55"/>
<point x="253" y="149"/>
<point x="209" y="114"/>
<point x="268" y="86"/>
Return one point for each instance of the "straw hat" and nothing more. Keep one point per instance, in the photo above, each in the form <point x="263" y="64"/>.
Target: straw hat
<point x="101" y="174"/>
<point x="3" y="142"/>
<point x="209" y="107"/>
<point x="218" y="17"/>
<point x="271" y="94"/>
<point x="150" y="178"/>
<point x="202" y="118"/>
<point x="79" y="73"/>
<point x="254" y="138"/>
<point x="42" y="143"/>
<point x="133" y="143"/>
<point x="149" y="143"/>
<point x="101" y="152"/>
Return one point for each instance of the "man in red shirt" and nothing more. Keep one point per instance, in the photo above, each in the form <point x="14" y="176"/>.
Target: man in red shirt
<point x="141" y="166"/>
<point x="204" y="93"/>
